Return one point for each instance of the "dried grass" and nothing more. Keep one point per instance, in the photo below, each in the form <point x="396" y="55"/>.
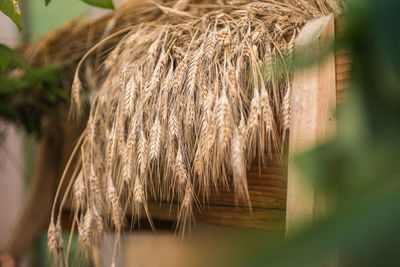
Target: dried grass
<point x="185" y="102"/>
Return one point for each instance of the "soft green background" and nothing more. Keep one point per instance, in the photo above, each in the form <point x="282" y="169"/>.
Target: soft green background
<point x="43" y="19"/>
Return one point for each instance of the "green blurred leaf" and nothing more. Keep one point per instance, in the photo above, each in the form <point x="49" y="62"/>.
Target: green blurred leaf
<point x="100" y="3"/>
<point x="47" y="73"/>
<point x="61" y="94"/>
<point x="47" y="2"/>
<point x="11" y="9"/>
<point x="8" y="110"/>
<point x="11" y="59"/>
<point x="4" y="61"/>
<point x="351" y="231"/>
<point x="10" y="85"/>
<point x="29" y="97"/>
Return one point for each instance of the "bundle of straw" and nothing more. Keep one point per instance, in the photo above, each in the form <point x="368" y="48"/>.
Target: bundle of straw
<point x="185" y="102"/>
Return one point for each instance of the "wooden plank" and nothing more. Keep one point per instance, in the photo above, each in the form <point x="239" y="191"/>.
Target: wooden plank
<point x="267" y="187"/>
<point x="339" y="25"/>
<point x="313" y="101"/>
<point x="267" y="190"/>
<point x="343" y="63"/>
<point x="257" y="218"/>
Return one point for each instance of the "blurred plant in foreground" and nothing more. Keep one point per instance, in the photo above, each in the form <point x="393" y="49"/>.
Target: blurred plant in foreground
<point x="360" y="168"/>
<point x="27" y="92"/>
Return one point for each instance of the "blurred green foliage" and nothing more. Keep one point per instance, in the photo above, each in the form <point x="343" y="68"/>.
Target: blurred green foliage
<point x="98" y="3"/>
<point x="26" y="92"/>
<point x="42" y="19"/>
<point x="360" y="168"/>
<point x="11" y="9"/>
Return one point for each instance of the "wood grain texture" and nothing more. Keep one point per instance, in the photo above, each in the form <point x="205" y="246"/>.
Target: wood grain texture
<point x="343" y="64"/>
<point x="233" y="216"/>
<point x="313" y="102"/>
<point x="267" y="189"/>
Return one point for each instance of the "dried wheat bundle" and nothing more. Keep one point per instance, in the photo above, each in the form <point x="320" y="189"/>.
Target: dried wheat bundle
<point x="186" y="103"/>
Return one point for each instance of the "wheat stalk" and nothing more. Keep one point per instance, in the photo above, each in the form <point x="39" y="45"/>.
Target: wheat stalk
<point x="75" y="93"/>
<point x="116" y="211"/>
<point x="155" y="139"/>
<point x="98" y="222"/>
<point x="129" y="97"/>
<point x="54" y="238"/>
<point x="142" y="152"/>
<point x="255" y="112"/>
<point x="239" y="166"/>
<point x="95" y="189"/>
<point x="225" y="120"/>
<point x="186" y="211"/>
<point x="180" y="168"/>
<point x="79" y="191"/>
<point x="173" y="126"/>
<point x="85" y="234"/>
